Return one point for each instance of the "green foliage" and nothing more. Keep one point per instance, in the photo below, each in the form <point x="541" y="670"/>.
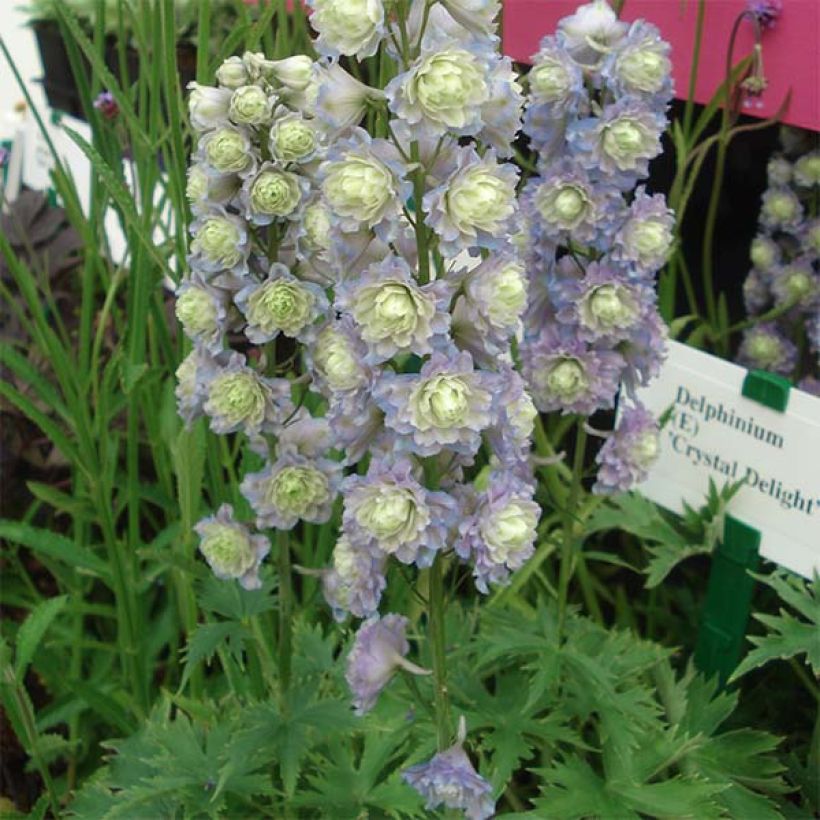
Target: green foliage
<point x="791" y="633"/>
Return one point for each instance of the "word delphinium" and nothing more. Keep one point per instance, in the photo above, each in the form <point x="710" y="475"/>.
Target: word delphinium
<point x="386" y="254"/>
<point x="782" y="290"/>
<point x="596" y="108"/>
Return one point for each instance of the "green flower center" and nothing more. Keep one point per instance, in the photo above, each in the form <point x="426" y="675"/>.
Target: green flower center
<point x="610" y="305"/>
<point x="294" y="140"/>
<point x="280" y="306"/>
<point x="550" y="80"/>
<point x="227" y="550"/>
<point x="645" y="69"/>
<point x="197" y="311"/>
<point x="762" y="254"/>
<point x="387" y="513"/>
<point x="249" y="105"/>
<point x="798" y="284"/>
<point x="764" y="349"/>
<point x="479" y="199"/>
<point x="218" y="238"/>
<point x="645" y="450"/>
<point x="651" y="238"/>
<point x="509" y="296"/>
<point x="358" y="187"/>
<point x="570" y="203"/>
<point x="508" y="531"/>
<point x="336" y="361"/>
<point x="226" y="151"/>
<point x="317" y="227"/>
<point x="447" y="400"/>
<point x="447" y="82"/>
<point x="624" y="138"/>
<point x="567" y="378"/>
<point x="275" y="193"/>
<point x="295" y="489"/>
<point x="782" y="207"/>
<point x="237" y="396"/>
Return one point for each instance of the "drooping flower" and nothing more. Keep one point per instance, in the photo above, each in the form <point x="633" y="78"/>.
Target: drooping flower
<point x="629" y="452"/>
<point x="230" y="549"/>
<point x="355" y="581"/>
<point x="342" y="99"/>
<point x="392" y="313"/>
<point x="498" y="529"/>
<point x="474" y="206"/>
<point x="766" y="11"/>
<point x="765" y="347"/>
<point x="280" y="304"/>
<point x="449" y="779"/>
<point x="475" y="15"/>
<point x="378" y="650"/>
<point x="233" y="73"/>
<point x="390" y="511"/>
<point x="446" y="405"/>
<point x="240" y="399"/>
<point x="349" y="27"/>
<point x="105" y="103"/>
<point x="291" y="488"/>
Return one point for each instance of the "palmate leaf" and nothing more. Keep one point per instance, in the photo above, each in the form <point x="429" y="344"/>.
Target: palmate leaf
<point x="787" y="635"/>
<point x="207" y="638"/>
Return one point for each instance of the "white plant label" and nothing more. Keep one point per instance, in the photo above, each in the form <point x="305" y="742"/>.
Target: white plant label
<point x="715" y="432"/>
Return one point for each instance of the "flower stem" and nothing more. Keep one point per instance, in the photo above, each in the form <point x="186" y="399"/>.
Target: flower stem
<point x="567" y="547"/>
<point x="437" y="639"/>
<point x="421" y="228"/>
<point x="285" y="611"/>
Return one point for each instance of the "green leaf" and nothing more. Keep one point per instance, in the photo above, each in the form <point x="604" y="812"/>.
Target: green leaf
<point x="206" y="639"/>
<point x="32" y="630"/>
<point x="54" y="545"/>
<point x="787" y="635"/>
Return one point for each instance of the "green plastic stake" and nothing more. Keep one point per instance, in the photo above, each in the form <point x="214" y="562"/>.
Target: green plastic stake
<point x="767" y="388"/>
<point x="728" y="600"/>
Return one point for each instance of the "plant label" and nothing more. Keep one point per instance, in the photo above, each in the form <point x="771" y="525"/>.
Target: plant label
<point x="715" y="432"/>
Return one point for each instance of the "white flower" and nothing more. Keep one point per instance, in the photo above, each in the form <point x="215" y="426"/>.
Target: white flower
<point x="349" y="27"/>
<point x="342" y="100"/>
<point x="208" y="106"/>
<point x="591" y="32"/>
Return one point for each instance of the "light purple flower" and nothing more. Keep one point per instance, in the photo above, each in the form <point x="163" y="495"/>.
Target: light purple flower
<point x="780" y="209"/>
<point x="335" y="357"/>
<point x="765" y="347"/>
<point x="230" y="549"/>
<point x="619" y="143"/>
<point x="292" y="488"/>
<point x="392" y="313"/>
<point x="809" y="384"/>
<point x="603" y="306"/>
<point x="220" y="243"/>
<point x="647" y="234"/>
<point x="355" y="581"/>
<point x="445" y="406"/>
<point x="498" y="528"/>
<point x="474" y="207"/>
<point x="280" y="304"/>
<point x="501" y="114"/>
<point x="193" y="376"/>
<point x="203" y="312"/>
<point x="105" y="103"/>
<point x="357" y="424"/>
<point x="510" y="439"/>
<point x="566" y="205"/>
<point x="796" y="283"/>
<point x="555" y="81"/>
<point x="390" y="511"/>
<point x="591" y="32"/>
<point x="756" y="293"/>
<point x="238" y="398"/>
<point x="379" y="649"/>
<point x="644" y="351"/>
<point x="766" y="11"/>
<point x="629" y="452"/>
<point x="564" y="373"/>
<point x="640" y="65"/>
<point x="449" y="779"/>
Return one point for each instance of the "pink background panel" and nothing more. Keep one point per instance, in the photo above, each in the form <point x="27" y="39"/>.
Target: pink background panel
<point x="791" y="50"/>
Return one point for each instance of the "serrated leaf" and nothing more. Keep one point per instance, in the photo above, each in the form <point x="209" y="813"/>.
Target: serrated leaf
<point x="32" y="630"/>
<point x="204" y="642"/>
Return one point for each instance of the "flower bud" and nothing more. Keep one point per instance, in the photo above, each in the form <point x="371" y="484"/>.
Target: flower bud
<point x="293" y="72"/>
<point x="566" y="380"/>
<point x="764" y="253"/>
<point x="207" y="106"/>
<point x="807" y="170"/>
<point x="233" y="73"/>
